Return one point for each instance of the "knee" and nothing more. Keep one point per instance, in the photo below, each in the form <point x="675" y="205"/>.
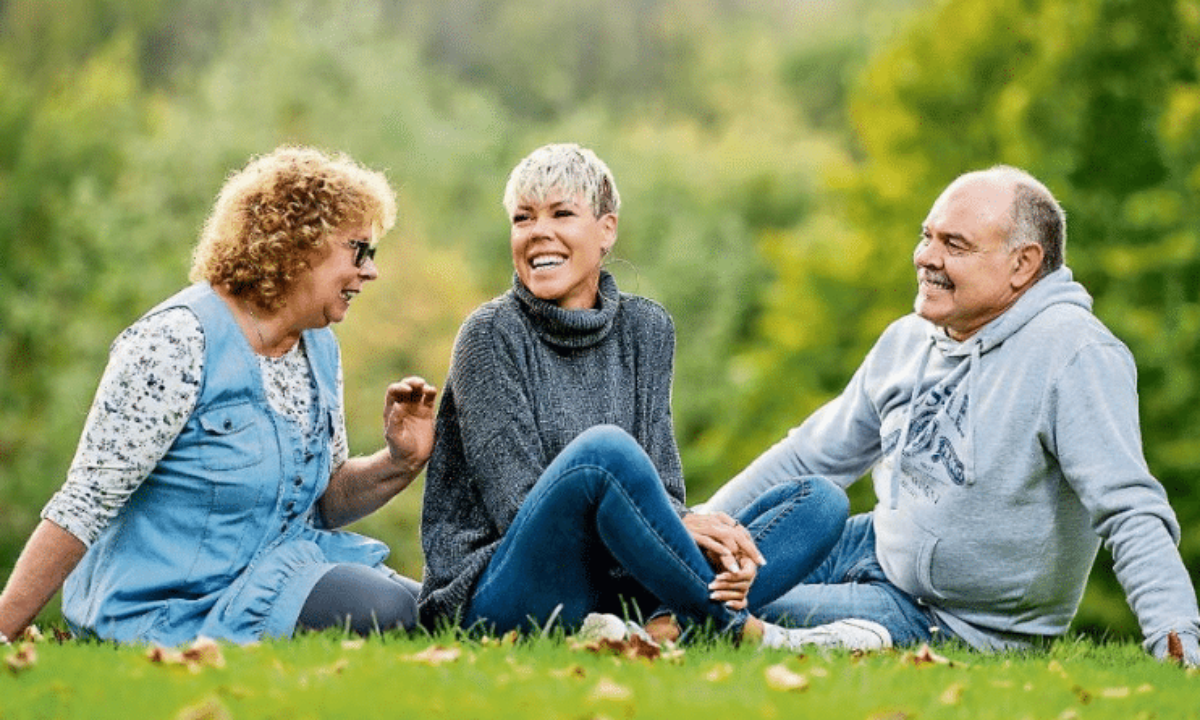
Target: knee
<point x="606" y="446"/>
<point x="613" y="450"/>
<point x="602" y="438"/>
<point x="824" y="499"/>
<point x="829" y="495"/>
<point x="398" y="611"/>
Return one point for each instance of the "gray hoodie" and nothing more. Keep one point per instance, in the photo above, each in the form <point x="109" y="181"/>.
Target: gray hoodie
<point x="999" y="463"/>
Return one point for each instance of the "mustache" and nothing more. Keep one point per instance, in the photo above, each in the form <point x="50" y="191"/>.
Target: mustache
<point x="935" y="276"/>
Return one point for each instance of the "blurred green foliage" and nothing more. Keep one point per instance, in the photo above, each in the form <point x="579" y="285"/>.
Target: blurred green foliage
<point x="776" y="158"/>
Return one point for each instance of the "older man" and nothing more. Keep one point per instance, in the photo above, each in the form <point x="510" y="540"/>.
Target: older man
<point x="1000" y="422"/>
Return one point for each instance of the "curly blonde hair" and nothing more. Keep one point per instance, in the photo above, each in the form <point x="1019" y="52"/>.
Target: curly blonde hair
<point x="272" y="217"/>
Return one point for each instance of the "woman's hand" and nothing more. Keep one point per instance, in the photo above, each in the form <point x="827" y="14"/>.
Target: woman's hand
<point x="731" y="551"/>
<point x="362" y="485"/>
<point x="732" y="588"/>
<point x="408" y="422"/>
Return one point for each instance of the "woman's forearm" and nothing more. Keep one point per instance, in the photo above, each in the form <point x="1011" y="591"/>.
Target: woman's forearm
<point x="48" y="558"/>
<point x="362" y="485"/>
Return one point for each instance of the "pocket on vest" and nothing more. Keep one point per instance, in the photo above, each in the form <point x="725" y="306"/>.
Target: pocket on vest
<point x="233" y="437"/>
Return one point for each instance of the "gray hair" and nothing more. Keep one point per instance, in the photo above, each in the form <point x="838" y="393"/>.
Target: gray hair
<point x="1037" y="218"/>
<point x="566" y="168"/>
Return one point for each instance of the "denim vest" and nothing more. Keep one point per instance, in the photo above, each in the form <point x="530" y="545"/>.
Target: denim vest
<point x="223" y="538"/>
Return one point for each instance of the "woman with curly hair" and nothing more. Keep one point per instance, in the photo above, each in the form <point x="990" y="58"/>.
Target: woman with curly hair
<point x="213" y="466"/>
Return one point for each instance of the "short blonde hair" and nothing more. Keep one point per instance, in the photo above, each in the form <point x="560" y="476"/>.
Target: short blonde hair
<point x="273" y="215"/>
<point x="567" y="168"/>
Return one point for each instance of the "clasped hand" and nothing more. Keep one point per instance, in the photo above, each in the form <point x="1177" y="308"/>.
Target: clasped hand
<point x="731" y="551"/>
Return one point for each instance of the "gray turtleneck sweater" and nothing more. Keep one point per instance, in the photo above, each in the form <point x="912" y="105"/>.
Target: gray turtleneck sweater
<point x="527" y="377"/>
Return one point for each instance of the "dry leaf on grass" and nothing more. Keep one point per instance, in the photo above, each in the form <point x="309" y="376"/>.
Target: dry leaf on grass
<point x="506" y="640"/>
<point x="719" y="672"/>
<point x="210" y="709"/>
<point x="609" y="689"/>
<point x="925" y="655"/>
<point x="23" y="659"/>
<point x="203" y="652"/>
<point x="571" y="671"/>
<point x="634" y="647"/>
<point x="32" y="634"/>
<point x="952" y="695"/>
<point x="435" y="655"/>
<point x="779" y="677"/>
<point x="1175" y="647"/>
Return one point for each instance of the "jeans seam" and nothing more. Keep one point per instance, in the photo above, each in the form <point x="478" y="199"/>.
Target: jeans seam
<point x="783" y="510"/>
<point x="670" y="550"/>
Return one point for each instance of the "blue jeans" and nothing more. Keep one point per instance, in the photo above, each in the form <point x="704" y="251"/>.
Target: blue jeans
<point x="851" y="584"/>
<point x="598" y="528"/>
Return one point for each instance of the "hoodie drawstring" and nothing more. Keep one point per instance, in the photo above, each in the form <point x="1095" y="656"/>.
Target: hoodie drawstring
<point x="972" y="400"/>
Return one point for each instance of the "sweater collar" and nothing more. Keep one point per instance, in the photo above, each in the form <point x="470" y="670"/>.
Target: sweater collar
<point x="571" y="328"/>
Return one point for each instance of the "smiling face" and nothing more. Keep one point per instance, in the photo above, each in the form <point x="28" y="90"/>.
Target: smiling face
<point x="966" y="275"/>
<point x="322" y="296"/>
<point x="558" y="246"/>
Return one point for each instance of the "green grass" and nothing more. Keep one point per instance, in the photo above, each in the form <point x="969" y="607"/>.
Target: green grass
<point x="326" y="676"/>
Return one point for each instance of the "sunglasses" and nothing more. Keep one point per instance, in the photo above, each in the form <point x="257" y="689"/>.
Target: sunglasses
<point x="363" y="251"/>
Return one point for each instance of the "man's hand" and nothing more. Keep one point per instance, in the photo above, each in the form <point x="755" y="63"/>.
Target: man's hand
<point x="408" y="422"/>
<point x="1181" y="649"/>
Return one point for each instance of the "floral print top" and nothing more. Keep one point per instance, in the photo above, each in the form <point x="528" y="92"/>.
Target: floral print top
<point x="147" y="393"/>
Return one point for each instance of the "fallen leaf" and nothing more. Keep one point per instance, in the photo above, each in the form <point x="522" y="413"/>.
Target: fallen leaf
<point x="507" y="639"/>
<point x="634" y="647"/>
<point x="781" y="678"/>
<point x="204" y="652"/>
<point x="952" y="695"/>
<point x="210" y="709"/>
<point x="32" y="634"/>
<point x="161" y="655"/>
<point x="435" y="655"/>
<point x="23" y="659"/>
<point x="925" y="655"/>
<point x="1175" y="647"/>
<point x="719" y="672"/>
<point x="335" y="669"/>
<point x="570" y="671"/>
<point x="608" y="689"/>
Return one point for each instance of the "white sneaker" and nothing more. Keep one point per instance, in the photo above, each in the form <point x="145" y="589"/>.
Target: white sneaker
<point x="605" y="626"/>
<point x="851" y="634"/>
